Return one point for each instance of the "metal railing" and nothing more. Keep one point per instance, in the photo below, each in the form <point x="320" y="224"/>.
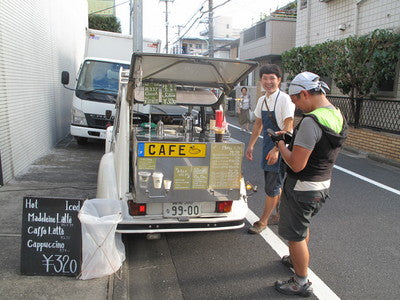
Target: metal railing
<point x="378" y="114"/>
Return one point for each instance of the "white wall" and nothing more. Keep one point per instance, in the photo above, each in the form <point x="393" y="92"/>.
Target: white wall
<point x="38" y="40"/>
<point x="320" y="21"/>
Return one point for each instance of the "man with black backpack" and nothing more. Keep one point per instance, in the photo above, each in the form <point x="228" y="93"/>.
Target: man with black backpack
<point x="310" y="157"/>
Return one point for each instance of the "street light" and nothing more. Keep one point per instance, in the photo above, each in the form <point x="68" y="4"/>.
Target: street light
<point x="166" y="23"/>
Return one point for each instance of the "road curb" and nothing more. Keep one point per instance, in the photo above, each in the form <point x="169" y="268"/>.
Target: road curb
<point x="119" y="284"/>
<point x="373" y="156"/>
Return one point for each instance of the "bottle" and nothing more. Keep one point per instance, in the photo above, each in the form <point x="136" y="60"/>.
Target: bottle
<point x="160" y="128"/>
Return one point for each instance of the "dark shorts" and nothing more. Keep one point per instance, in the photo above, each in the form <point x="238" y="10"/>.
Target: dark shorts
<point x="273" y="182"/>
<point x="296" y="209"/>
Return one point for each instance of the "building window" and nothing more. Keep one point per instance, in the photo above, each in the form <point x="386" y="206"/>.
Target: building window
<point x="199" y="46"/>
<point x="253" y="33"/>
<point x="184" y="49"/>
<point x="303" y="4"/>
<point x="386" y="85"/>
<point x="227" y="26"/>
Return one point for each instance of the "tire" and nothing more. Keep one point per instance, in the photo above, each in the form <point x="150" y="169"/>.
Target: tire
<point x="81" y="140"/>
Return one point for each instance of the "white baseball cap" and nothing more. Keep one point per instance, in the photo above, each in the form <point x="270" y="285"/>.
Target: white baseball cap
<point x="307" y="81"/>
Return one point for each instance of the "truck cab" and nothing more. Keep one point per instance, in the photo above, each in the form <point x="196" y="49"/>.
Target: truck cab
<point x="174" y="177"/>
<point x="93" y="101"/>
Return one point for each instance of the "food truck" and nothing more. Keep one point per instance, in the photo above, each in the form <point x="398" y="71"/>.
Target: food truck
<point x="172" y="176"/>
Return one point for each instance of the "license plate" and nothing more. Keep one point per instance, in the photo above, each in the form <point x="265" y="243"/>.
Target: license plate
<point x="181" y="209"/>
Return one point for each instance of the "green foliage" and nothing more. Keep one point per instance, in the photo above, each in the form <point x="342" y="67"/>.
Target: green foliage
<point x="357" y="64"/>
<point x="106" y="23"/>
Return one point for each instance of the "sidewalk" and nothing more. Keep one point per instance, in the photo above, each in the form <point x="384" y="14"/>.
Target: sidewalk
<point x="68" y="171"/>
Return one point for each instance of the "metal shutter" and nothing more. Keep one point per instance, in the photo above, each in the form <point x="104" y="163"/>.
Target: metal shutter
<point x="38" y="39"/>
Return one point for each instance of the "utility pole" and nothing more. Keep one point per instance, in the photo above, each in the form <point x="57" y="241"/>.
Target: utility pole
<point x="210" y="29"/>
<point x="166" y="23"/>
<point x="137" y="24"/>
<point x="179" y="39"/>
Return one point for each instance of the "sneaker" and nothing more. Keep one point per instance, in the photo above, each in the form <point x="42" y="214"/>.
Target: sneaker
<point x="286" y="261"/>
<point x="292" y="287"/>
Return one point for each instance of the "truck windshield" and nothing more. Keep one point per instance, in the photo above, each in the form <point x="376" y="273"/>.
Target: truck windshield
<point x="98" y="77"/>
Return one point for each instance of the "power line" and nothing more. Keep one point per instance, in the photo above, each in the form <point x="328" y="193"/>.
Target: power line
<point x="199" y="10"/>
<point x="202" y="14"/>
<point x="182" y="27"/>
<point x="219" y="5"/>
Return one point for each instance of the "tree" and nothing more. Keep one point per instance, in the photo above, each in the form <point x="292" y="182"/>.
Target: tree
<point x="106" y="23"/>
<point x="357" y="64"/>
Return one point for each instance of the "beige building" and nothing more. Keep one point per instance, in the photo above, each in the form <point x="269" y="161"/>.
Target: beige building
<point x="101" y="7"/>
<point x="199" y="46"/>
<point x="223" y="28"/>
<point x="264" y="43"/>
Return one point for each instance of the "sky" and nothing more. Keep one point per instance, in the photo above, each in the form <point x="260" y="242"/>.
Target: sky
<point x="245" y="13"/>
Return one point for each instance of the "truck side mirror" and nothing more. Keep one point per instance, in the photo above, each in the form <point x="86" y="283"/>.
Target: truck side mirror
<point x="64" y="77"/>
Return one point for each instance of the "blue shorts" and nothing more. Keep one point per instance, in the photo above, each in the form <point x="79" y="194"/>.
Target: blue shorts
<point x="273" y="182"/>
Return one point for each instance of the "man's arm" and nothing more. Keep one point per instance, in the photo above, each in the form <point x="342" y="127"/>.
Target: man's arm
<point x="257" y="128"/>
<point x="296" y="159"/>
<point x="288" y="124"/>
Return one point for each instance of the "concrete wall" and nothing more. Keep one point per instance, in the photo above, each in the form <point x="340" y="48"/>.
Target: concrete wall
<point x="279" y="37"/>
<point x="38" y="40"/>
<point x="337" y="19"/>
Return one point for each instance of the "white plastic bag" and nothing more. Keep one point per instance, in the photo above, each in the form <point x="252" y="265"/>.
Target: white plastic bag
<point x="102" y="249"/>
<point x="252" y="116"/>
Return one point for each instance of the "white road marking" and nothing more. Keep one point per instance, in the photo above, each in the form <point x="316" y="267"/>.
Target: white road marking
<point x="378" y="184"/>
<point x="321" y="290"/>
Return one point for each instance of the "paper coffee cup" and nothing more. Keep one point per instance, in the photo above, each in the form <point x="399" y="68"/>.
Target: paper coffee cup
<point x="167" y="184"/>
<point x="157" y="180"/>
<point x="144" y="177"/>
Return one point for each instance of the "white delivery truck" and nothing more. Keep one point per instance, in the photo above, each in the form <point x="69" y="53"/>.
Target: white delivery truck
<point x="93" y="101"/>
<point x="175" y="177"/>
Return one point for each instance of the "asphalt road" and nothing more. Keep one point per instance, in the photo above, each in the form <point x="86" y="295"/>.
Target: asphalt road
<point x="354" y="246"/>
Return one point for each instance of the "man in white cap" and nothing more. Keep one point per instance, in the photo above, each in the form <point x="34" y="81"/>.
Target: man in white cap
<point x="310" y="157"/>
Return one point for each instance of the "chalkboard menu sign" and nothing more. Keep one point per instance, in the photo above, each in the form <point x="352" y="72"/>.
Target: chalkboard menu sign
<point x="51" y="242"/>
<point x="226" y="165"/>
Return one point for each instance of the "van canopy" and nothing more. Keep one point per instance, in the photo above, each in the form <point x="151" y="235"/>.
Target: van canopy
<point x="192" y="75"/>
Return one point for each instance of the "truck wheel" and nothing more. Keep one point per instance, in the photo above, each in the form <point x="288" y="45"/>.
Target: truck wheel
<point x="81" y="141"/>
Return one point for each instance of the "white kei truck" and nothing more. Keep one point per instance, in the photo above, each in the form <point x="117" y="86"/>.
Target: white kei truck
<point x="93" y="100"/>
<point x="174" y="177"/>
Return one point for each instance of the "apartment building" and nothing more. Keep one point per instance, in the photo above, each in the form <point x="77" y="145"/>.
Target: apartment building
<point x="322" y="20"/>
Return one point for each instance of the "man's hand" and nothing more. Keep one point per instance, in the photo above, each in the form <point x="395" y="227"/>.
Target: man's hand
<point x="272" y="156"/>
<point x="249" y="153"/>
<point x="280" y="136"/>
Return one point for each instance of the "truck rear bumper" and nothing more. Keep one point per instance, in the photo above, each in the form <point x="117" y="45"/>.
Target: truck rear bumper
<point x="87" y="132"/>
<point x="179" y="226"/>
